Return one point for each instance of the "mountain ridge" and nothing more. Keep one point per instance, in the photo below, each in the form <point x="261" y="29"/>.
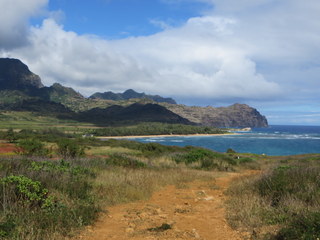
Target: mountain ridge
<point x="131" y="94"/>
<point x="21" y="89"/>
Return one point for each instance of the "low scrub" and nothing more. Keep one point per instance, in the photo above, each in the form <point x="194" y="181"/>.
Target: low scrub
<point x="124" y="160"/>
<point x="69" y="148"/>
<point x="207" y="159"/>
<point x="44" y="199"/>
<point x="31" y="147"/>
<point x="283" y="203"/>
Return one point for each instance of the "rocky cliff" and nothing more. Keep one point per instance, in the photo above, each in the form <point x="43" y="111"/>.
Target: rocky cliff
<point x="237" y="115"/>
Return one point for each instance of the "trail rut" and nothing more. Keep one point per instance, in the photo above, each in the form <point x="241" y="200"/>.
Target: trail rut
<point x="194" y="212"/>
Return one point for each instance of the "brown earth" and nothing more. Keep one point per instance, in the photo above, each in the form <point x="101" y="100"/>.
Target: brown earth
<point x="194" y="212"/>
<point x="6" y="148"/>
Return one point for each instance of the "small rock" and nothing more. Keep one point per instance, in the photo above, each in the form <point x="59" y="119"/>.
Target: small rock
<point x="195" y="234"/>
<point x="129" y="230"/>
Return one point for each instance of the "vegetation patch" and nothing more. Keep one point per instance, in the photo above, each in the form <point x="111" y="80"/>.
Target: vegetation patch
<point x="155" y="129"/>
<point x="162" y="228"/>
<point x="125" y="161"/>
<point x="285" y="198"/>
<point x="207" y="159"/>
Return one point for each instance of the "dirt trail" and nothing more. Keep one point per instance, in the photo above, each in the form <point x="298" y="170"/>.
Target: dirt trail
<point x="194" y="212"/>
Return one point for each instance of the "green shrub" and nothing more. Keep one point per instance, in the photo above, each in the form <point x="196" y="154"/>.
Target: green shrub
<point x="284" y="198"/>
<point x="10" y="135"/>
<point x="68" y="148"/>
<point x="207" y="159"/>
<point x="60" y="166"/>
<point x="124" y="161"/>
<point x="32" y="147"/>
<point x="302" y="227"/>
<point x="7" y="227"/>
<point x="299" y="181"/>
<point x="230" y="150"/>
<point x="242" y="160"/>
<point x="23" y="191"/>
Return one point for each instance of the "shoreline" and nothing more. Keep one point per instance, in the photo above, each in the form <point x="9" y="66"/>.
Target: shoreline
<point x="166" y="135"/>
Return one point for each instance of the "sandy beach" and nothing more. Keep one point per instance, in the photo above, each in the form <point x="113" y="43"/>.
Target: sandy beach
<point x="168" y="135"/>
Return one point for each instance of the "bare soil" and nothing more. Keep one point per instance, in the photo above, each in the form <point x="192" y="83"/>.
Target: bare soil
<point x="6" y="148"/>
<point x="195" y="211"/>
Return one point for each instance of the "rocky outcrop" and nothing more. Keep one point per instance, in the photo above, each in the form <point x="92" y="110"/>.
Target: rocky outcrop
<point x="237" y="115"/>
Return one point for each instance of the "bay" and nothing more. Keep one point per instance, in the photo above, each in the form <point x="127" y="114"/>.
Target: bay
<point x="274" y="140"/>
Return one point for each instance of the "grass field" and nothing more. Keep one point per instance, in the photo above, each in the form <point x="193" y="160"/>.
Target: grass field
<point x="29" y="120"/>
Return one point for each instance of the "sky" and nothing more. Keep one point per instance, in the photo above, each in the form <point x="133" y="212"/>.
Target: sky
<point x="264" y="53"/>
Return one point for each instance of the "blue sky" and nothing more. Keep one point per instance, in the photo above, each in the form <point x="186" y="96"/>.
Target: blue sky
<point x="123" y="18"/>
<point x="264" y="53"/>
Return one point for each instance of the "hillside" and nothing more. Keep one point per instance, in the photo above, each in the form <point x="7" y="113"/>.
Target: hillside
<point x="134" y="113"/>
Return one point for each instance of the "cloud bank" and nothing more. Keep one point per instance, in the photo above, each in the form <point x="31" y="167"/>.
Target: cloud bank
<point x="14" y="18"/>
<point x="247" y="50"/>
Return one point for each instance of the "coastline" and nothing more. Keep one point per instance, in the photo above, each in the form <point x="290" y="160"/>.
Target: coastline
<point x="166" y="135"/>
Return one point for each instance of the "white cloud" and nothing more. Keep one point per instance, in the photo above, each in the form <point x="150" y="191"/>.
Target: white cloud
<point x="86" y="63"/>
<point x="246" y="49"/>
<point x="14" y="20"/>
<point x="178" y="62"/>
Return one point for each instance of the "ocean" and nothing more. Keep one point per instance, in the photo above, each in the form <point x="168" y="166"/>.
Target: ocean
<point x="274" y="141"/>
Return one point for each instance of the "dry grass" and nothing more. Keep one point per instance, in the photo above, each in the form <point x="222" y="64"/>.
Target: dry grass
<point x="282" y="203"/>
<point x="106" y="150"/>
<point x="121" y="185"/>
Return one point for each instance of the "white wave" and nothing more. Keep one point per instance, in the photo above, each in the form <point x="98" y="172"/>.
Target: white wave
<point x="153" y="140"/>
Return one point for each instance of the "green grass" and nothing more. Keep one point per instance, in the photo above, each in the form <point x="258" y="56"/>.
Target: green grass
<point x="107" y="150"/>
<point x="28" y="120"/>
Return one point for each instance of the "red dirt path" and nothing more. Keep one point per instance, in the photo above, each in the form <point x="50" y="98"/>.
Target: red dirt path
<point x="194" y="212"/>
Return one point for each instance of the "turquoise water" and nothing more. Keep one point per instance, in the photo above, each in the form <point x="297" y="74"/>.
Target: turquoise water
<point x="274" y="140"/>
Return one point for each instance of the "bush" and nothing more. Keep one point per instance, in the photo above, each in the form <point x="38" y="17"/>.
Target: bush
<point x="207" y="159"/>
<point x="283" y="181"/>
<point x="68" y="148"/>
<point x="32" y="147"/>
<point x="23" y="191"/>
<point x="10" y="135"/>
<point x="124" y="161"/>
<point x="230" y="150"/>
<point x="303" y="227"/>
<point x="44" y="198"/>
<point x="62" y="166"/>
<point x="282" y="204"/>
